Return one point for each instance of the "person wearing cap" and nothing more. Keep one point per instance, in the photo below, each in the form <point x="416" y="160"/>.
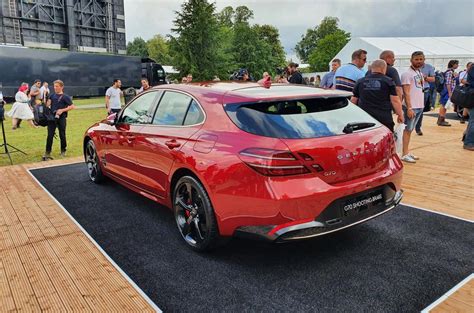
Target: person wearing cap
<point x="295" y="76"/>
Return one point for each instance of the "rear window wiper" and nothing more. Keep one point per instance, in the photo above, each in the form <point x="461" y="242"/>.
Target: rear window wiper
<point x="351" y="127"/>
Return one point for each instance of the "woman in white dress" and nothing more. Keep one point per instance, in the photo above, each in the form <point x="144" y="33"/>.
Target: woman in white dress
<point x="21" y="108"/>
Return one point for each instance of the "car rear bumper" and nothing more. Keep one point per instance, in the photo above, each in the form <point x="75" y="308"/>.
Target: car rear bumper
<point x="332" y="219"/>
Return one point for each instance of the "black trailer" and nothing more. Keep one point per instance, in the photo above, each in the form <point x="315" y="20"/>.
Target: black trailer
<point x="84" y="74"/>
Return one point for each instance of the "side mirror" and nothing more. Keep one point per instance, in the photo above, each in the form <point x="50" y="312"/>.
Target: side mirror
<point x="111" y="119"/>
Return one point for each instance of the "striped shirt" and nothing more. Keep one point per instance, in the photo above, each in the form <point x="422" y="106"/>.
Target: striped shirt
<point x="346" y="77"/>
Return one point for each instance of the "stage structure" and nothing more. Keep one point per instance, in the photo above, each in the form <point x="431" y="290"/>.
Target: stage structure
<point x="75" y="25"/>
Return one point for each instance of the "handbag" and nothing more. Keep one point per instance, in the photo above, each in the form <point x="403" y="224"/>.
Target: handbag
<point x="463" y="96"/>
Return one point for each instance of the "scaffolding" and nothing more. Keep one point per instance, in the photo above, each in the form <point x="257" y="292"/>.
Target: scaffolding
<point x="76" y="25"/>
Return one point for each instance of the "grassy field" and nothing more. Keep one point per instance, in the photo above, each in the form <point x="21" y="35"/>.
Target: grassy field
<point x="86" y="101"/>
<point x="33" y="140"/>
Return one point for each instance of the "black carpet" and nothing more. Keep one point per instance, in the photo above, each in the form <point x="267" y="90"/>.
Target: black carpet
<point x="399" y="262"/>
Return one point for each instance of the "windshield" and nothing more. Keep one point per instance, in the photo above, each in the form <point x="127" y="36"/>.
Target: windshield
<point x="306" y="118"/>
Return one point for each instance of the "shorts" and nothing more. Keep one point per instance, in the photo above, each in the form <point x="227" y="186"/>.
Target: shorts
<point x="410" y="123"/>
<point x="443" y="97"/>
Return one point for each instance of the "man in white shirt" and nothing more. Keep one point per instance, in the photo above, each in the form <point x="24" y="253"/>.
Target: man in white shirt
<point x="112" y="97"/>
<point x="412" y="84"/>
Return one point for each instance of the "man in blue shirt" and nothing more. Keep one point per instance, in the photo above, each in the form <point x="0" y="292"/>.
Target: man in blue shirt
<point x="328" y="79"/>
<point x="347" y="75"/>
<point x="428" y="72"/>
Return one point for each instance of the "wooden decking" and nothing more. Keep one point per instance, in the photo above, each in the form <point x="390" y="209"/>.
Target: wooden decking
<point x="47" y="263"/>
<point x="443" y="179"/>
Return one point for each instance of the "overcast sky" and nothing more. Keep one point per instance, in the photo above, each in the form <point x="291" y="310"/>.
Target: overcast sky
<point x="369" y="18"/>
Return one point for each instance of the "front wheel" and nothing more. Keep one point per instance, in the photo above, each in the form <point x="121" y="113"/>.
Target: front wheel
<point x="92" y="162"/>
<point x="194" y="215"/>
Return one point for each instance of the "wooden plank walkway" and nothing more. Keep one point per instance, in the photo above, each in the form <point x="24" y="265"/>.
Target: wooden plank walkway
<point x="48" y="264"/>
<point x="443" y="179"/>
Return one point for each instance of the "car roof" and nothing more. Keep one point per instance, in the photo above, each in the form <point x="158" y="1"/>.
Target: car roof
<point x="250" y="91"/>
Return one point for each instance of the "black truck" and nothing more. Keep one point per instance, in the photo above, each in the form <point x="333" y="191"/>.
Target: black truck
<point x="84" y="74"/>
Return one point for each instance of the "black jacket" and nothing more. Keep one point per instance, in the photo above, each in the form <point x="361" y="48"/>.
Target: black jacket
<point x="296" y="78"/>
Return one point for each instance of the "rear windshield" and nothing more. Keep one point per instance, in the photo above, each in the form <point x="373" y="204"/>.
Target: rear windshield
<point x="307" y="118"/>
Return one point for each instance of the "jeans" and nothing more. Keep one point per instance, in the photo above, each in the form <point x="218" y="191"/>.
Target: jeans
<point x="433" y="95"/>
<point x="60" y="124"/>
<point x="410" y="123"/>
<point x="420" y="121"/>
<point x="469" y="139"/>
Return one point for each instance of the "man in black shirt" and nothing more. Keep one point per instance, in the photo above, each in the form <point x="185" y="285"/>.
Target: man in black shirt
<point x="295" y="76"/>
<point x="59" y="104"/>
<point x="389" y="57"/>
<point x="376" y="94"/>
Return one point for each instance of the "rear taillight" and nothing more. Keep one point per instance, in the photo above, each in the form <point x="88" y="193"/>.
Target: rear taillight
<point x="271" y="162"/>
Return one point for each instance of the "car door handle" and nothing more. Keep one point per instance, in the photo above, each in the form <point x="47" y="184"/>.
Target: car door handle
<point x="172" y="144"/>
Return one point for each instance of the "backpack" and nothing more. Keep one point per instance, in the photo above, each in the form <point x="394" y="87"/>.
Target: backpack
<point x="463" y="96"/>
<point x="439" y="81"/>
<point x="42" y="115"/>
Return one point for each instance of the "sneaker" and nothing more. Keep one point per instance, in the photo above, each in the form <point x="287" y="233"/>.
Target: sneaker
<point x="470" y="148"/>
<point x="407" y="158"/>
<point x="47" y="157"/>
<point x="419" y="133"/>
<point x="63" y="154"/>
<point x="414" y="157"/>
<point x="463" y="120"/>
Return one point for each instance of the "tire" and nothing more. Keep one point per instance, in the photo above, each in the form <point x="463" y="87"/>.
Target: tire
<point x="195" y="216"/>
<point x="93" y="163"/>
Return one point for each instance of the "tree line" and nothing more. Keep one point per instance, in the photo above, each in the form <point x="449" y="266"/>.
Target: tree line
<point x="207" y="43"/>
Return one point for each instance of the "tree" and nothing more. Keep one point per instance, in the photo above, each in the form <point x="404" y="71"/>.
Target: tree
<point x="158" y="50"/>
<point x="242" y="14"/>
<point x="270" y="35"/>
<point x="306" y="45"/>
<point x="309" y="42"/>
<point x="137" y="48"/>
<point x="226" y="16"/>
<point x="326" y="50"/>
<point x="195" y="44"/>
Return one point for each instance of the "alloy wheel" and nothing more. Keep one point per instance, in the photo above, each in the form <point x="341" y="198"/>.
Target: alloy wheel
<point x="190" y="213"/>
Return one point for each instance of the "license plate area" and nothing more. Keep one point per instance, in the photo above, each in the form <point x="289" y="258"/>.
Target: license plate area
<point x="362" y="203"/>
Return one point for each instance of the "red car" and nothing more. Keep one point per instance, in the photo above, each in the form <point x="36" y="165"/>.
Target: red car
<point x="281" y="163"/>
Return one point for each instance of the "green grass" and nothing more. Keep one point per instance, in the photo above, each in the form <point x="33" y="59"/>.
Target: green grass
<point x="33" y="140"/>
<point x="96" y="100"/>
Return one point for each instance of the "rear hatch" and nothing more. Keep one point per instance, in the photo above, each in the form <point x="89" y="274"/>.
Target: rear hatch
<point x="331" y="137"/>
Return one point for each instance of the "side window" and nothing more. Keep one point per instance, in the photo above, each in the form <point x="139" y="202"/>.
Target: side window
<point x="138" y="112"/>
<point x="172" y="109"/>
<point x="195" y="115"/>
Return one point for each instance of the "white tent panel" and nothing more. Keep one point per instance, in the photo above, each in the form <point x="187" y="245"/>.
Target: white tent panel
<point x="438" y="50"/>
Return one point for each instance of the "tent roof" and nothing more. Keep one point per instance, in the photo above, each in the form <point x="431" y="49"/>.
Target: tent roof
<point x="431" y="46"/>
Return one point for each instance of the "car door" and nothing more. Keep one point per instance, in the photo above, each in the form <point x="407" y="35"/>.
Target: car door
<point x="177" y="117"/>
<point x="120" y="150"/>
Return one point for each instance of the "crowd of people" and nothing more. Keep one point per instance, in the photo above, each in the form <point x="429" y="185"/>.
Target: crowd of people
<point x="53" y="107"/>
<point x="380" y="91"/>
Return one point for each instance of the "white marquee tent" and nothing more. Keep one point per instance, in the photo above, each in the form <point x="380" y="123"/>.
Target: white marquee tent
<point x="438" y="50"/>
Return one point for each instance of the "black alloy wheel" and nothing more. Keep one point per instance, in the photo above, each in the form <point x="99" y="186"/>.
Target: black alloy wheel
<point x="194" y="215"/>
<point x="92" y="162"/>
